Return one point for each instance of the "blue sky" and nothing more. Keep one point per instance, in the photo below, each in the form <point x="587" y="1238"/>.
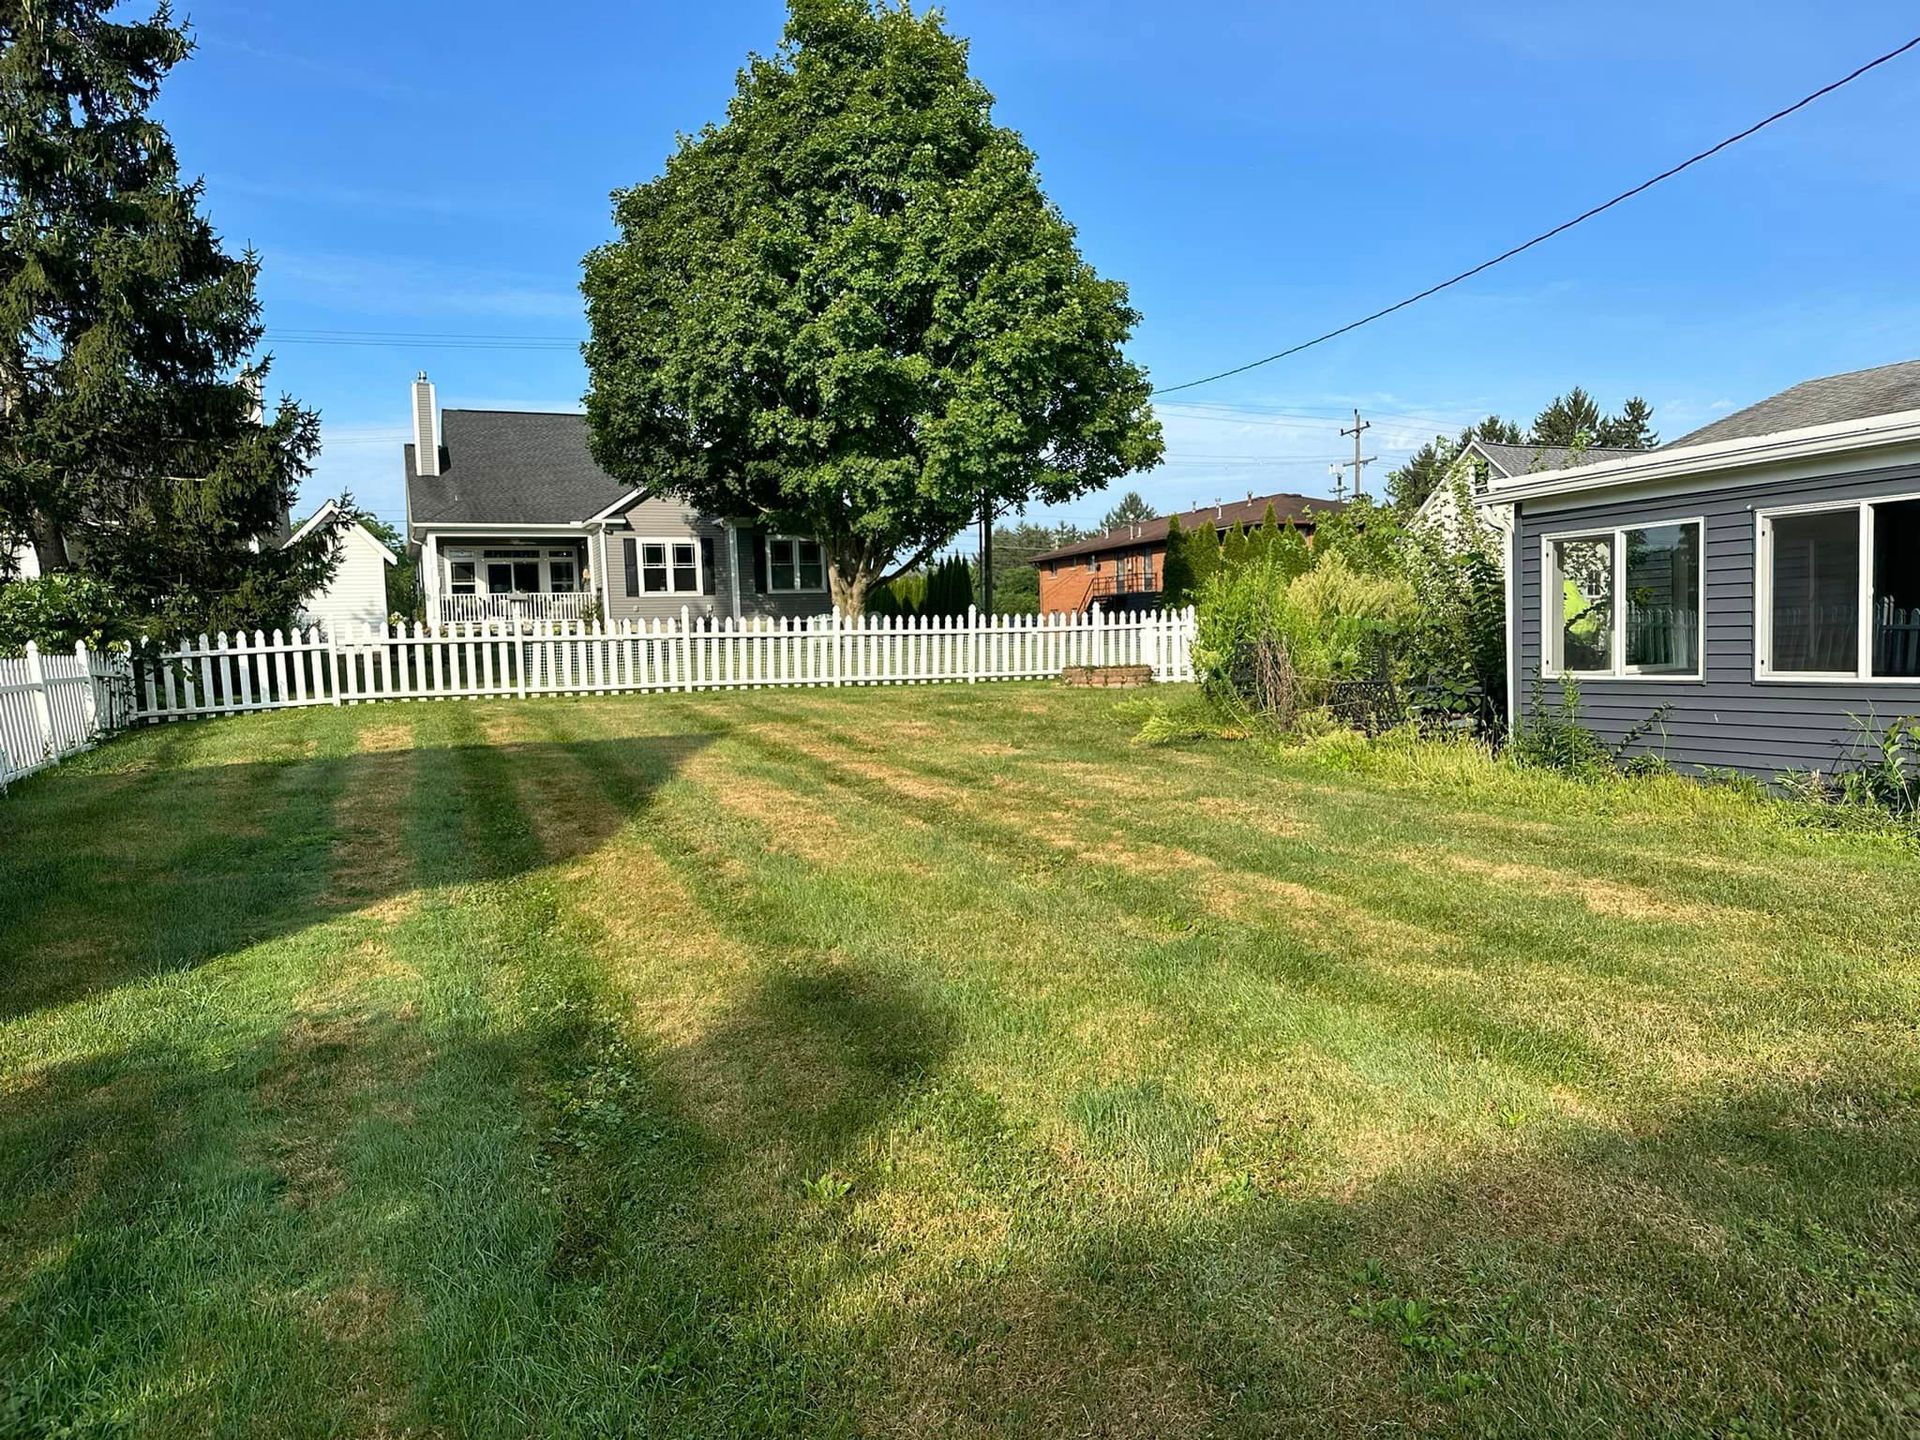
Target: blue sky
<point x="1257" y="173"/>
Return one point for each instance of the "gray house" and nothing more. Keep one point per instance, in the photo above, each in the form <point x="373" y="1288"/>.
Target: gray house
<point x="1760" y="578"/>
<point x="514" y="520"/>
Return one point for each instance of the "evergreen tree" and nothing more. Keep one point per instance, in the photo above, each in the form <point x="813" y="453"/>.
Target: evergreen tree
<point x="1260" y="542"/>
<point x="130" y="445"/>
<point x="1131" y="510"/>
<point x="1291" y="552"/>
<point x="1632" y="428"/>
<point x="949" y="588"/>
<point x="1203" y="554"/>
<point x="1233" y="548"/>
<point x="1575" y="415"/>
<point x="1178" y="584"/>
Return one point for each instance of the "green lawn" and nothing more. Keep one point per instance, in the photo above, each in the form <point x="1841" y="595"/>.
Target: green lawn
<point x="932" y="1061"/>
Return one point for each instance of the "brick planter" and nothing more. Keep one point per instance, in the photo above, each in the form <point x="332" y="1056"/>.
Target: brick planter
<point x="1107" y="677"/>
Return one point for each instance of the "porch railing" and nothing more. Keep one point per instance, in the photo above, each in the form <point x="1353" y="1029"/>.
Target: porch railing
<point x="518" y="605"/>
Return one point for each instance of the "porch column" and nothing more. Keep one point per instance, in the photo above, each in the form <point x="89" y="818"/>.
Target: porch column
<point x="733" y="567"/>
<point x="430" y="578"/>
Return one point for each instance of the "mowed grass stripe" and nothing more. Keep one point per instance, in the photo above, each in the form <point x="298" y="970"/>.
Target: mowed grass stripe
<point x="934" y="1062"/>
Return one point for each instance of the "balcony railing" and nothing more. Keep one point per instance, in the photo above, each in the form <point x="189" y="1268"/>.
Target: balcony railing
<point x="1107" y="586"/>
<point x="518" y="605"/>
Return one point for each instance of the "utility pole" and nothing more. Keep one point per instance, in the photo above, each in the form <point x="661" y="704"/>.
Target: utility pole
<point x="1360" y="462"/>
<point x="986" y="556"/>
<point x="1339" y="474"/>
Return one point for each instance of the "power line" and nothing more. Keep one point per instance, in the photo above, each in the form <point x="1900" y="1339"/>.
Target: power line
<point x="1560" y="229"/>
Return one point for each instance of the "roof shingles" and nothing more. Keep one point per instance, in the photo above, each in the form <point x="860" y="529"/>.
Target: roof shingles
<point x="506" y="467"/>
<point x="1829" y="400"/>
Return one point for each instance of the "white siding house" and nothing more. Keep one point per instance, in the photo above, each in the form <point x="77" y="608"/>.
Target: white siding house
<point x="24" y="563"/>
<point x="357" y="593"/>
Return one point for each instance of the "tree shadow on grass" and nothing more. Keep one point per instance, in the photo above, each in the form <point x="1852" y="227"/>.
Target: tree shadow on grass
<point x="1743" y="1264"/>
<point x="105" y="880"/>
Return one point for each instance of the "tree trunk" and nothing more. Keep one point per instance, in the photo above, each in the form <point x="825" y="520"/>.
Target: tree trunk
<point x="848" y="580"/>
<point x="50" y="546"/>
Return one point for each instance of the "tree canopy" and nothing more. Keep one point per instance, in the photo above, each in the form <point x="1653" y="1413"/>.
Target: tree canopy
<point x="850" y="310"/>
<point x="131" y="447"/>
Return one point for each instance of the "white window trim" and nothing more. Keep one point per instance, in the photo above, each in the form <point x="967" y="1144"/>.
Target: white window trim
<point x="1551" y="638"/>
<point x="1862" y="674"/>
<point x="796" y="588"/>
<point x="640" y="569"/>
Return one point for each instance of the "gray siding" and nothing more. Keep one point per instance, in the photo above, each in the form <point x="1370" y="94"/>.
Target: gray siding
<point x="1729" y="718"/>
<point x="670" y="519"/>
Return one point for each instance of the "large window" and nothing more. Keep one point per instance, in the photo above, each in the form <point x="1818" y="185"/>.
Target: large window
<point x="1624" y="602"/>
<point x="662" y="567"/>
<point x="1839" y="592"/>
<point x="461" y="576"/>
<point x="795" y="564"/>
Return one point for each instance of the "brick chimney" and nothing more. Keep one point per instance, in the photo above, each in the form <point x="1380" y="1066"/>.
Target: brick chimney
<point x="426" y="429"/>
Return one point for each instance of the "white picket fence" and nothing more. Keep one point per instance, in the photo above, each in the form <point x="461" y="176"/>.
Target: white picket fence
<point x="53" y="706"/>
<point x="233" y="674"/>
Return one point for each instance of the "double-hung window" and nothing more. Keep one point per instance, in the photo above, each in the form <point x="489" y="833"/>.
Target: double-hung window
<point x="795" y="564"/>
<point x="1624" y="602"/>
<point x="662" y="567"/>
<point x="1838" y="591"/>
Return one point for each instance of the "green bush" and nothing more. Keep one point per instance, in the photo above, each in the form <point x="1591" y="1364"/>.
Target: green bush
<point x="1277" y="643"/>
<point x="1454" y="655"/>
<point x="57" y="612"/>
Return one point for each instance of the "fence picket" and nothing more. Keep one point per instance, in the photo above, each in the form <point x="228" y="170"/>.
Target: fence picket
<point x="235" y="672"/>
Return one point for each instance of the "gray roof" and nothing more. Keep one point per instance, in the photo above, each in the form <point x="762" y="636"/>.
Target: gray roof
<point x="1883" y="390"/>
<point x="1512" y="460"/>
<point x="502" y="467"/>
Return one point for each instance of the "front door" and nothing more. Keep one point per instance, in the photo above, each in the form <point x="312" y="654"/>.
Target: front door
<point x="504" y="577"/>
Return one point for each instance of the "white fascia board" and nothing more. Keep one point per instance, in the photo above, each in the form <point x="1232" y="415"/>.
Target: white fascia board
<point x="632" y="497"/>
<point x="463" y="527"/>
<point x="1723" y="459"/>
<point x="331" y="507"/>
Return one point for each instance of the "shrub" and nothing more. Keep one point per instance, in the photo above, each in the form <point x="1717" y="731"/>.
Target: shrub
<point x="1177" y="584"/>
<point x="1551" y="736"/>
<point x="1454" y="655"/>
<point x="59" y="611"/>
<point x="1276" y="643"/>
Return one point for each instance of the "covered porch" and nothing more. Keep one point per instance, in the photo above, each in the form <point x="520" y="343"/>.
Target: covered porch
<point x="531" y="576"/>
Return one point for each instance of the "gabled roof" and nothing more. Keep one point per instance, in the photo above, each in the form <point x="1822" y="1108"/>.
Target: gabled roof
<point x="505" y="467"/>
<point x="1511" y="460"/>
<point x="332" y="507"/>
<point x="1883" y="390"/>
<point x="1300" y="509"/>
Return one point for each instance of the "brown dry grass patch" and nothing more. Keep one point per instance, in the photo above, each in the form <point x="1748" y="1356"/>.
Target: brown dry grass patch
<point x="795" y="823"/>
<point x="1612" y="899"/>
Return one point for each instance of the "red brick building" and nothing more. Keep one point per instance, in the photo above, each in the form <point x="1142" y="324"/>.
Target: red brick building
<point x="1122" y="569"/>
